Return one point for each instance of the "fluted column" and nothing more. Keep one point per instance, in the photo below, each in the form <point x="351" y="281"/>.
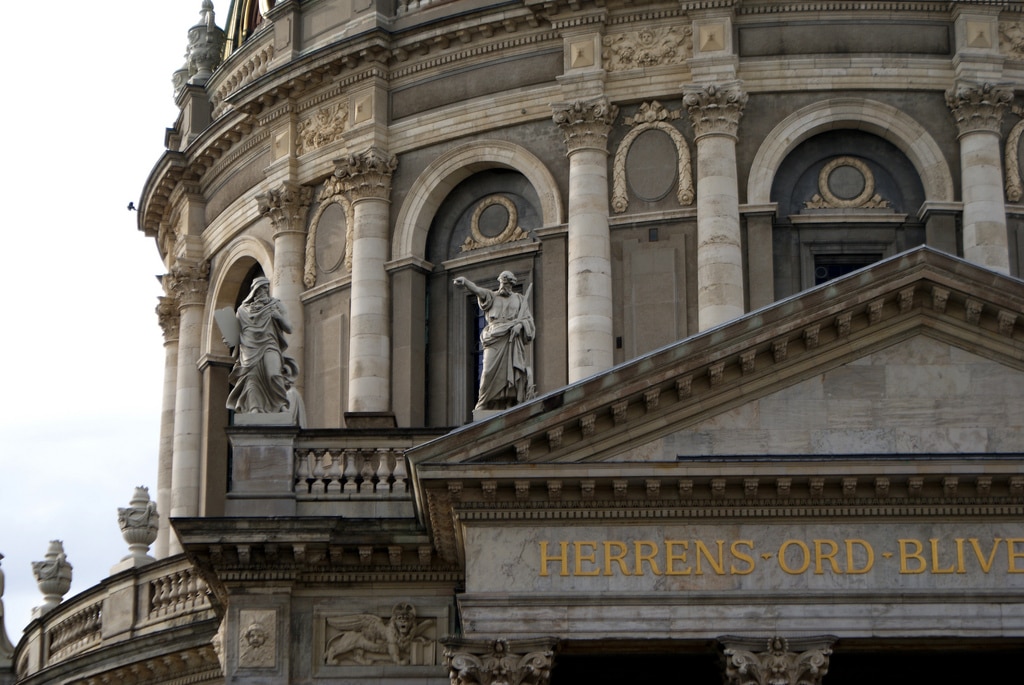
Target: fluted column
<point x="170" y="321"/>
<point x="498" y="662"/>
<point x="776" y="660"/>
<point x="366" y="180"/>
<point x="288" y="207"/>
<point x="189" y="284"/>
<point x="585" y="126"/>
<point x="978" y="111"/>
<point x="715" y="112"/>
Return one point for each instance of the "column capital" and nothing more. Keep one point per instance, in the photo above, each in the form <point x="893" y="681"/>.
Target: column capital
<point x="169" y="316"/>
<point x="801" y="661"/>
<point x="287" y="206"/>
<point x="189" y="283"/>
<point x="978" y="108"/>
<point x="715" y="108"/>
<point x="367" y="174"/>
<point x="498" y="662"/>
<point x="585" y="123"/>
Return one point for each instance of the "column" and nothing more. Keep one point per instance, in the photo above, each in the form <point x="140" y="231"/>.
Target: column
<point x="170" y="320"/>
<point x="776" y="660"/>
<point x="585" y="126"/>
<point x="366" y="180"/>
<point x="499" y="662"/>
<point x="288" y="207"/>
<point x="715" y="111"/>
<point x="978" y="111"/>
<point x="189" y="284"/>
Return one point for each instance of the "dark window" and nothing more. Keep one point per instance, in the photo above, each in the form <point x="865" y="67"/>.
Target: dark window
<point x="829" y="266"/>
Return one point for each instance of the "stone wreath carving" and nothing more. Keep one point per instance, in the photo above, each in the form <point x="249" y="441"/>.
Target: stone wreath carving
<point x="326" y="126"/>
<point x="365" y="639"/>
<point x="648" y="47"/>
<point x="825" y="198"/>
<point x="511" y="233"/>
<point x="331" y="193"/>
<point x="1014" y="186"/>
<point x="651" y="116"/>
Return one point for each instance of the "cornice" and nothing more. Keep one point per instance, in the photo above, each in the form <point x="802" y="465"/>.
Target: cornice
<point x="755" y="7"/>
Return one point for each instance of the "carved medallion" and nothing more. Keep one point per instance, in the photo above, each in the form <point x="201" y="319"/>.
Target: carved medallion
<point x="1014" y="186"/>
<point x="366" y="639"/>
<point x="846" y="183"/>
<point x="493" y="205"/>
<point x="257" y="639"/>
<point x="650" y="121"/>
<point x="329" y="247"/>
<point x="648" y="47"/>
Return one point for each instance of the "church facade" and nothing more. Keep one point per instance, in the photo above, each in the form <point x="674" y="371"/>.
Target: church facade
<point x="771" y="422"/>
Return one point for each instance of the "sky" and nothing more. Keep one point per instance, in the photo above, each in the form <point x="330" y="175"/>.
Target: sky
<point x="89" y="96"/>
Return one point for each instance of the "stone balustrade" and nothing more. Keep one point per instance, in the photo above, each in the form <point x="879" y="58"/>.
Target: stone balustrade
<point x="136" y="604"/>
<point x="347" y="473"/>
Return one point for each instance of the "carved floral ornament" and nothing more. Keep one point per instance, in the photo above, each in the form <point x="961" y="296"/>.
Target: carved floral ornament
<point x="651" y="115"/>
<point x="366" y="174"/>
<point x="333" y="192"/>
<point x="978" y="108"/>
<point x="511" y="233"/>
<point x="169" y="317"/>
<point x="846" y="183"/>
<point x="495" y="662"/>
<point x="323" y="128"/>
<point x="585" y="124"/>
<point x="287" y="206"/>
<point x="776" y="665"/>
<point x="648" y="47"/>
<point x="715" y="109"/>
<point x="189" y="282"/>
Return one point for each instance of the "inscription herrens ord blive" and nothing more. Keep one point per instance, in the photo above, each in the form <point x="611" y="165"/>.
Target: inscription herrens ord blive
<point x="740" y="557"/>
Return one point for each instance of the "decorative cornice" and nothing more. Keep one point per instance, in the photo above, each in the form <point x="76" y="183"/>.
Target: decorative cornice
<point x="715" y="109"/>
<point x="189" y="283"/>
<point x="287" y="206"/>
<point x="585" y="124"/>
<point x="499" y="662"/>
<point x="979" y="108"/>
<point x="776" y="665"/>
<point x="367" y="174"/>
<point x="169" y="317"/>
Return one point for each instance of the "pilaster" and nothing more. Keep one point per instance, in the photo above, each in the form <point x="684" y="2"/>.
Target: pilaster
<point x="366" y="181"/>
<point x="715" y="111"/>
<point x="775" y="661"/>
<point x="169" y="316"/>
<point x="585" y="126"/>
<point x="499" y="662"/>
<point x="978" y="112"/>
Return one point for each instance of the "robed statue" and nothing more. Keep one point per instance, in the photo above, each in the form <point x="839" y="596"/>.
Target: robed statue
<point x="263" y="376"/>
<point x="507" y="378"/>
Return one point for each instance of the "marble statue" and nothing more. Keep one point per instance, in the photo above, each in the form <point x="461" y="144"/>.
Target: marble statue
<point x="263" y="377"/>
<point x="507" y="378"/>
<point x="53" y="576"/>
<point x="367" y="639"/>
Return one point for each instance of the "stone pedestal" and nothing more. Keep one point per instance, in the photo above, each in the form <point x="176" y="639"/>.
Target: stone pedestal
<point x="262" y="467"/>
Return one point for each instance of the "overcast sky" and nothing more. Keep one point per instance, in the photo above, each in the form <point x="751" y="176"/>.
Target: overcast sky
<point x="88" y="97"/>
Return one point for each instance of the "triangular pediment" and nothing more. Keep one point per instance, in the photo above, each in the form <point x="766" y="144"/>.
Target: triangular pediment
<point x="910" y="341"/>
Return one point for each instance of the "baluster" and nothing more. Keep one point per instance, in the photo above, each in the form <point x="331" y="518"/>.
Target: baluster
<point x="351" y="471"/>
<point x="383" y="471"/>
<point x="366" y="473"/>
<point x="401" y="475"/>
<point x="317" y="484"/>
<point x="175" y="598"/>
<point x="302" y="471"/>
<point x="333" y="471"/>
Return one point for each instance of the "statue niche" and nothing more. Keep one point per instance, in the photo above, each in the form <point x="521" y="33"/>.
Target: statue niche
<point x="366" y="639"/>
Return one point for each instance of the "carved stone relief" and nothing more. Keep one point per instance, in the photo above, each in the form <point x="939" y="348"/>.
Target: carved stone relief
<point x="324" y="127"/>
<point x="1014" y="186"/>
<point x="651" y="116"/>
<point x="331" y="194"/>
<point x="648" y="47"/>
<point x="479" y="662"/>
<point x="365" y="639"/>
<point x="978" y="108"/>
<point x="846" y="183"/>
<point x="257" y="639"/>
<point x="807" y="664"/>
<point x="510" y="233"/>
<point x="1011" y="39"/>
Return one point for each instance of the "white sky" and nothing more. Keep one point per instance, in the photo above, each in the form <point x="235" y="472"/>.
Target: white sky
<point x="88" y="96"/>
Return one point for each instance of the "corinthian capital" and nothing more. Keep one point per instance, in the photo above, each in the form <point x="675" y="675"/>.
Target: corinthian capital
<point x="806" y="664"/>
<point x="585" y="124"/>
<point x="169" y="315"/>
<point x="366" y="174"/>
<point x="715" y="109"/>
<point x="978" y="108"/>
<point x="189" y="282"/>
<point x="287" y="206"/>
<point x="497" y="662"/>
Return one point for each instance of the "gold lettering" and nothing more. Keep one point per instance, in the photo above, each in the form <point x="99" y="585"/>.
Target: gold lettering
<point x="986" y="565"/>
<point x="784" y="565"/>
<point x="742" y="556"/>
<point x="935" y="558"/>
<point x="905" y="555"/>
<point x="960" y="556"/>
<point x="581" y="557"/>
<point x="545" y="559"/>
<point x="671" y="557"/>
<point x="1014" y="555"/>
<point x="702" y="550"/>
<point x="869" y="553"/>
<point x="820" y="555"/>
<point x="650" y="556"/>
<point x="619" y="558"/>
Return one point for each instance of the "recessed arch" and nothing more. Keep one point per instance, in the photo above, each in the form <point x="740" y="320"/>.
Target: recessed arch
<point x="870" y="116"/>
<point x="447" y="171"/>
<point x="227" y="277"/>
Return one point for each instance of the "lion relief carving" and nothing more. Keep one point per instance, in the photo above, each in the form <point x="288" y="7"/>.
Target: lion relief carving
<point x="366" y="639"/>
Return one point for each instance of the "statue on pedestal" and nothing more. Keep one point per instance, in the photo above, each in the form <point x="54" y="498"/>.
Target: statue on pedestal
<point x="263" y="376"/>
<point x="507" y="378"/>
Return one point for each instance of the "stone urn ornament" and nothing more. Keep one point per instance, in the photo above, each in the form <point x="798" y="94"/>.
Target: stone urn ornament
<point x="139" y="523"/>
<point x="53" y="576"/>
<point x="205" y="46"/>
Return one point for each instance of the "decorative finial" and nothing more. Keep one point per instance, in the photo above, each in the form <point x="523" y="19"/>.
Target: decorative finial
<point x="205" y="47"/>
<point x="139" y="523"/>
<point x="53" y="576"/>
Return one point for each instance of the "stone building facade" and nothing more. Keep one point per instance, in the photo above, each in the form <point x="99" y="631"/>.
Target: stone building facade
<point x="772" y="250"/>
